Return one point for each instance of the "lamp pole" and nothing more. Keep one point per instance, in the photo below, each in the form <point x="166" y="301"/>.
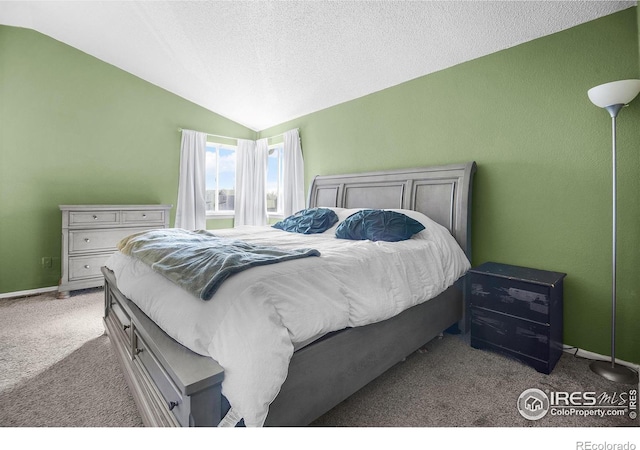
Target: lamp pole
<point x="613" y="111"/>
<point x="613" y="96"/>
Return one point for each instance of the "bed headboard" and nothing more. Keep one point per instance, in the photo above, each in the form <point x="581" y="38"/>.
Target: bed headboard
<point x="442" y="193"/>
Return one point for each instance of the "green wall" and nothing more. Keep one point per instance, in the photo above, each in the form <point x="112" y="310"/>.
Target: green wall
<point x="75" y="130"/>
<point x="542" y="194"/>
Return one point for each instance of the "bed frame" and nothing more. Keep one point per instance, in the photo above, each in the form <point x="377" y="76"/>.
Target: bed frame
<point x="173" y="386"/>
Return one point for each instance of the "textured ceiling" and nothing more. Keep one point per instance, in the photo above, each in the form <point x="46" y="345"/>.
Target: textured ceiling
<point x="261" y="63"/>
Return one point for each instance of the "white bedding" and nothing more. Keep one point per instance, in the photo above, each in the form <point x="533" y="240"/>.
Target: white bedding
<point x="256" y="318"/>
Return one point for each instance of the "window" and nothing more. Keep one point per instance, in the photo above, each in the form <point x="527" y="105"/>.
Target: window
<point x="220" y="178"/>
<point x="274" y="180"/>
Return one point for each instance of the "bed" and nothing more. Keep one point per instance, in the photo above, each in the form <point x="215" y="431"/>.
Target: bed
<point x="177" y="386"/>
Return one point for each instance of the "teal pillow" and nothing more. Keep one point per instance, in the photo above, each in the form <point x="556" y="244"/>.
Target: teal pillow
<point x="378" y="225"/>
<point x="308" y="221"/>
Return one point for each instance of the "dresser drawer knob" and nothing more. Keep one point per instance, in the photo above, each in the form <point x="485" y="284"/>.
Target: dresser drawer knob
<point x="172" y="405"/>
<point x="87" y="266"/>
<point x="139" y="350"/>
<point x="124" y="327"/>
<point x="87" y="240"/>
<point x="144" y="215"/>
<point x="95" y="217"/>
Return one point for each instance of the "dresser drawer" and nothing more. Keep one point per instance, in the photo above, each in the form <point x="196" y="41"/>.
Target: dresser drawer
<point x="522" y="336"/>
<point x="527" y="300"/>
<point x="84" y="241"/>
<point x="84" y="218"/>
<point x="137" y="217"/>
<point x="82" y="267"/>
<point x="169" y="391"/>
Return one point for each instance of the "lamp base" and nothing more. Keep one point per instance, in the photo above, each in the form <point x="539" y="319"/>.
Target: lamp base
<point x="614" y="372"/>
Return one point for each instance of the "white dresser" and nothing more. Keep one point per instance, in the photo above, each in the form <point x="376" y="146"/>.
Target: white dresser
<point x="90" y="234"/>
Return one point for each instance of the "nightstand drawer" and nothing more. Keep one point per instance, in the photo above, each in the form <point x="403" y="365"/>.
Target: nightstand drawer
<point x="522" y="336"/>
<point x="137" y="217"/>
<point x="518" y="298"/>
<point x="85" y="218"/>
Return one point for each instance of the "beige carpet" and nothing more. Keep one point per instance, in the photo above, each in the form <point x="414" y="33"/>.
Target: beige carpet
<point x="58" y="370"/>
<point x="450" y="384"/>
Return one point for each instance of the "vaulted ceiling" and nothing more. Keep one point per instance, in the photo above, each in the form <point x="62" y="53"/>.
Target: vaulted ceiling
<point x="261" y="63"/>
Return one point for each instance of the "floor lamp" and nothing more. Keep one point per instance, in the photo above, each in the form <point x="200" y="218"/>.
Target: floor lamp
<point x="613" y="96"/>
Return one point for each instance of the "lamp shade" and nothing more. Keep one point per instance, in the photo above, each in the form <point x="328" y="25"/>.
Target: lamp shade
<point x="614" y="93"/>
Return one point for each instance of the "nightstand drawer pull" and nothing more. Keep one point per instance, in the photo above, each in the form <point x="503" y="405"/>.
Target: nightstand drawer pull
<point x="172" y="405"/>
<point x="87" y="266"/>
<point x="87" y="240"/>
<point x="95" y="217"/>
<point x="139" y="350"/>
<point x="124" y="327"/>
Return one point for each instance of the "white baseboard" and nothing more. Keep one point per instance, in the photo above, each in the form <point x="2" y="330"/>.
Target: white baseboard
<point x="28" y="292"/>
<point x="597" y="356"/>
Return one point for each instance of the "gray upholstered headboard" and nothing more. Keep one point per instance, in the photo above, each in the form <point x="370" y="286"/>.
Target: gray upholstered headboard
<point x="443" y="193"/>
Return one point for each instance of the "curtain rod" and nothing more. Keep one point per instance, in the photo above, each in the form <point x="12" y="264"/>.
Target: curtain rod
<point x="214" y="135"/>
<point x="233" y="138"/>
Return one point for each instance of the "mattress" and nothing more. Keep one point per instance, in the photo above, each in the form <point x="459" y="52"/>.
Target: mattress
<point x="258" y="317"/>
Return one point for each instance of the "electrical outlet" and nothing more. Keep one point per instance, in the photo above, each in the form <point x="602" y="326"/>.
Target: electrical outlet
<point x="47" y="262"/>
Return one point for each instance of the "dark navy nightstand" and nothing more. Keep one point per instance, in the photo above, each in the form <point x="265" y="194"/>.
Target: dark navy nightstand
<point x="517" y="311"/>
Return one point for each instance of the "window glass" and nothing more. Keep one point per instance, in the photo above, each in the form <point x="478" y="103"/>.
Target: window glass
<point x="220" y="178"/>
<point x="274" y="180"/>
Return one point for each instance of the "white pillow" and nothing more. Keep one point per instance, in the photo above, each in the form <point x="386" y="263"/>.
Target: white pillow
<point x="342" y="214"/>
<point x="429" y="224"/>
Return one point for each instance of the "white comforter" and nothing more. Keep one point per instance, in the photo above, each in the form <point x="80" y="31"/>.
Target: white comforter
<point x="257" y="317"/>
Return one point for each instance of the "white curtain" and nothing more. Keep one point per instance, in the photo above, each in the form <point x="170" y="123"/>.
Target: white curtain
<point x="251" y="182"/>
<point x="191" y="209"/>
<point x="293" y="174"/>
<point x="260" y="200"/>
